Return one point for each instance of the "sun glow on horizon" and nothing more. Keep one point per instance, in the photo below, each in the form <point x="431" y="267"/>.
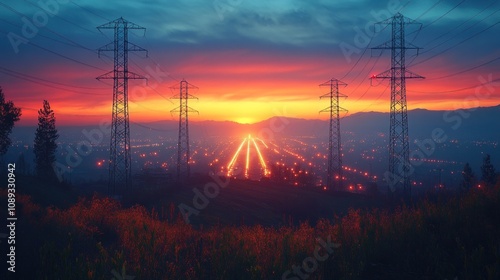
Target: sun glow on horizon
<point x="245" y="120"/>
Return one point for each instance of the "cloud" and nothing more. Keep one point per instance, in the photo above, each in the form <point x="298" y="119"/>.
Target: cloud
<point x="258" y="51"/>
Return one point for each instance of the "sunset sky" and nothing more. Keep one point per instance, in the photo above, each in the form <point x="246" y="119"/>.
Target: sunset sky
<point x="250" y="59"/>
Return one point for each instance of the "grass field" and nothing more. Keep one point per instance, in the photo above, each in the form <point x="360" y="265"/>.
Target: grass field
<point x="245" y="202"/>
<point x="244" y="233"/>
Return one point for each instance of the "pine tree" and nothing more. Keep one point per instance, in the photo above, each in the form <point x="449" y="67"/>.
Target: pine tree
<point x="489" y="175"/>
<point x="45" y="142"/>
<point x="9" y="114"/>
<point x="467" y="177"/>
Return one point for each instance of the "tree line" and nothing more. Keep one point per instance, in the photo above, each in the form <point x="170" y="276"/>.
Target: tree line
<point x="46" y="135"/>
<point x="488" y="175"/>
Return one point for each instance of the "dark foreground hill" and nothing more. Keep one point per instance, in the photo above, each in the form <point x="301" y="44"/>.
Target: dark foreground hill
<point x="97" y="238"/>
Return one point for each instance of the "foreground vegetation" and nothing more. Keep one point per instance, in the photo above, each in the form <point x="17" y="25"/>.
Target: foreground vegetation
<point x="443" y="238"/>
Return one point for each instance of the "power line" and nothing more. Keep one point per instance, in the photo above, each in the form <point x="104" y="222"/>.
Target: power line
<point x="378" y="97"/>
<point x="68" y="21"/>
<point x="152" y="128"/>
<point x="34" y="80"/>
<point x="457" y="90"/>
<point x="359" y="59"/>
<point x="359" y="74"/>
<point x="41" y="35"/>
<point x="441" y="36"/>
<point x="147" y="42"/>
<point x="434" y="21"/>
<point x="133" y="62"/>
<point x="90" y="11"/>
<point x="58" y="54"/>
<point x="48" y="29"/>
<point x="443" y="15"/>
<point x="147" y="85"/>
<point x="368" y="46"/>
<point x="159" y="65"/>
<point x="466" y="70"/>
<point x="73" y="44"/>
<point x="47" y="81"/>
<point x="459" y="43"/>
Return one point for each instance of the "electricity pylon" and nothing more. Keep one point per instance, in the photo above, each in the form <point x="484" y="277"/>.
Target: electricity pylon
<point x="399" y="161"/>
<point x="334" y="179"/>
<point x="183" y="154"/>
<point x="119" y="159"/>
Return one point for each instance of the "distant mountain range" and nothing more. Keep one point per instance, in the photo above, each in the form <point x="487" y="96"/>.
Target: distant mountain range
<point x="466" y="124"/>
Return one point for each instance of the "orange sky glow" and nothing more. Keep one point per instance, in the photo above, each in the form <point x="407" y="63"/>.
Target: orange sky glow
<point x="242" y="90"/>
<point x="267" y="59"/>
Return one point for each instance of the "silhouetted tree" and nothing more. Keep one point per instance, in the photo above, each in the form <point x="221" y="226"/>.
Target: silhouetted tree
<point x="45" y="142"/>
<point x="489" y="175"/>
<point x="9" y="114"/>
<point x="467" y="177"/>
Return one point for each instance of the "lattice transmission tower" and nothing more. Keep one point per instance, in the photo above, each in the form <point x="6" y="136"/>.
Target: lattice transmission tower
<point x="399" y="161"/>
<point x="183" y="154"/>
<point x="334" y="178"/>
<point x="119" y="158"/>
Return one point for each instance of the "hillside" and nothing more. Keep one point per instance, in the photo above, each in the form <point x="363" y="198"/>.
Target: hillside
<point x="463" y="124"/>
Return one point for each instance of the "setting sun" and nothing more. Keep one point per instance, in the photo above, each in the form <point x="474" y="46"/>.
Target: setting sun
<point x="244" y="120"/>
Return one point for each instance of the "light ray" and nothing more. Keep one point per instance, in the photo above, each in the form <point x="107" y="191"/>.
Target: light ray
<point x="231" y="163"/>
<point x="261" y="158"/>
<point x="248" y="156"/>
